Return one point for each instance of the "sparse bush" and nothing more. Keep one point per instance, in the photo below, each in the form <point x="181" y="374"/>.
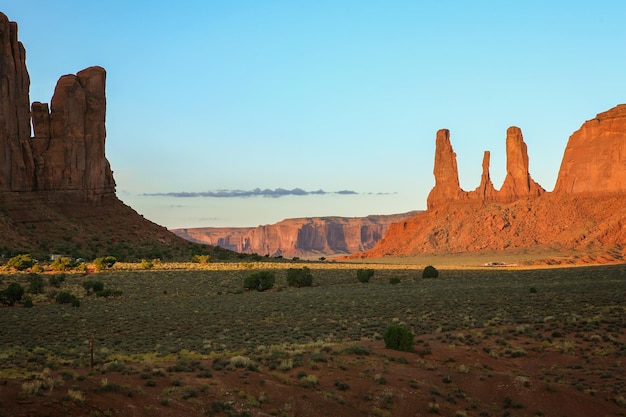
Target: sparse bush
<point x="63" y="264"/>
<point x="36" y="284"/>
<point x="28" y="302"/>
<point x="398" y="338"/>
<point x="299" y="277"/>
<point x="95" y="286"/>
<point x="394" y="280"/>
<point x="56" y="280"/>
<point x="260" y="281"/>
<point x="430" y="272"/>
<point x="65" y="297"/>
<point x="146" y="264"/>
<point x="364" y="275"/>
<point x="21" y="262"/>
<point x="104" y="263"/>
<point x="12" y="294"/>
<point x="201" y="259"/>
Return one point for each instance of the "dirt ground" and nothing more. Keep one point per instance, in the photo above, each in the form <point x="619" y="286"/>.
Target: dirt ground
<point x="498" y="371"/>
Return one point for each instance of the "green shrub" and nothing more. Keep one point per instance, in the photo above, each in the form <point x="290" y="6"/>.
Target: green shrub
<point x="12" y="294"/>
<point x="104" y="263"/>
<point x="260" y="281"/>
<point x="394" y="280"/>
<point x="21" y="262"/>
<point x="398" y="338"/>
<point x="201" y="259"/>
<point x="364" y="275"/>
<point x="28" y="302"/>
<point x="56" y="280"/>
<point x="65" y="297"/>
<point x="63" y="264"/>
<point x="95" y="286"/>
<point x="299" y="277"/>
<point x="430" y="272"/>
<point x="146" y="264"/>
<point x="36" y="284"/>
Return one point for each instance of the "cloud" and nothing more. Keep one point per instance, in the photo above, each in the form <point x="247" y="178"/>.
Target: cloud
<point x="257" y="192"/>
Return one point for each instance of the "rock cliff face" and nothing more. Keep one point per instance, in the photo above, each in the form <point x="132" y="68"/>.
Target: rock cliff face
<point x="517" y="184"/>
<point x="586" y="210"/>
<point x="57" y="188"/>
<point x="305" y="237"/>
<point x="595" y="156"/>
<point x="66" y="155"/>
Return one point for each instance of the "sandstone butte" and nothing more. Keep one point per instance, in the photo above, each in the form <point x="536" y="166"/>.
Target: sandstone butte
<point x="586" y="211"/>
<point x="58" y="184"/>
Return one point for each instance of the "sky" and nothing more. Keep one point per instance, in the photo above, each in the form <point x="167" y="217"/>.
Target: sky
<point x="241" y="113"/>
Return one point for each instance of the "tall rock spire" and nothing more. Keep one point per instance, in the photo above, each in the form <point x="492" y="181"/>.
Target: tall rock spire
<point x="16" y="162"/>
<point x="445" y="171"/>
<point x="66" y="154"/>
<point x="517" y="183"/>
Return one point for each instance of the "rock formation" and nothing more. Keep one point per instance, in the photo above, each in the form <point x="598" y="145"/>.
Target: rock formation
<point x="586" y="210"/>
<point x="595" y="157"/>
<point x="304" y="237"/>
<point x="66" y="155"/>
<point x="517" y="184"/>
<point x="57" y="187"/>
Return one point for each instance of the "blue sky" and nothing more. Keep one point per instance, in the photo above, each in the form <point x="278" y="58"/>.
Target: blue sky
<point x="226" y="97"/>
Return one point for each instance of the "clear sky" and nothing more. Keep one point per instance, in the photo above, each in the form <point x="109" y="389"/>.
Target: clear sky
<point x="211" y="100"/>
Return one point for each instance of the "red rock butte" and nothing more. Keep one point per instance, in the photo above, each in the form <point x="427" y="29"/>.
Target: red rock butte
<point x="585" y="211"/>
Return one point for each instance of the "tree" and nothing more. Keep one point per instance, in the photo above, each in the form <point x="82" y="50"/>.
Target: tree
<point x="398" y="338"/>
<point x="299" y="277"/>
<point x="430" y="272"/>
<point x="104" y="263"/>
<point x="364" y="275"/>
<point x="21" y="262"/>
<point x="260" y="281"/>
<point x="12" y="294"/>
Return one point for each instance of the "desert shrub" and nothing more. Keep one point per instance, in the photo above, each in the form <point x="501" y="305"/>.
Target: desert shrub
<point x="21" y="262"/>
<point x="95" y="286"/>
<point x="37" y="269"/>
<point x="201" y="259"/>
<point x="430" y="272"/>
<point x="56" y="280"/>
<point x="12" y="294"/>
<point x="36" y="284"/>
<point x="146" y="264"/>
<point x="104" y="293"/>
<point x="260" y="281"/>
<point x="65" y="297"/>
<point x="28" y="302"/>
<point x="364" y="275"/>
<point x="398" y="338"/>
<point x="104" y="263"/>
<point x="394" y="280"/>
<point x="299" y="277"/>
<point x="63" y="264"/>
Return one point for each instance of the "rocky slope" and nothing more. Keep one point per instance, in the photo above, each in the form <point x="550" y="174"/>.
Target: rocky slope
<point x="586" y="211"/>
<point x="303" y="237"/>
<point x="57" y="192"/>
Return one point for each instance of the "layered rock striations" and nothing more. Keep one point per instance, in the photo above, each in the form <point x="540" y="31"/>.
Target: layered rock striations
<point x="303" y="237"/>
<point x="518" y="183"/>
<point x="586" y="210"/>
<point x="66" y="153"/>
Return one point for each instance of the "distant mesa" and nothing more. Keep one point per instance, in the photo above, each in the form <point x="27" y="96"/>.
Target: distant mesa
<point x="308" y="237"/>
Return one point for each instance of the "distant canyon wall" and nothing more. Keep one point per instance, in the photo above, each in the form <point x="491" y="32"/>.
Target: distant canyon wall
<point x="302" y="237"/>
